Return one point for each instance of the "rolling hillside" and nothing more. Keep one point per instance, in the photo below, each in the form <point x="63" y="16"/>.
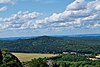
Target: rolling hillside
<point x="48" y="44"/>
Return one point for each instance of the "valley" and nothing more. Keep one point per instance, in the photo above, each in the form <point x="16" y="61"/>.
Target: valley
<point x="53" y="51"/>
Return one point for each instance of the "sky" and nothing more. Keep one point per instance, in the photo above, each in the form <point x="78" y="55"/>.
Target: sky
<point x="49" y="17"/>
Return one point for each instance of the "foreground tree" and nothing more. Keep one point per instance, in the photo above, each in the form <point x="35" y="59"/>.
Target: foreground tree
<point x="8" y="60"/>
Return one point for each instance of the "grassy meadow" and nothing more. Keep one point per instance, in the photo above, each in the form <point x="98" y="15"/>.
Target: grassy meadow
<point x="28" y="56"/>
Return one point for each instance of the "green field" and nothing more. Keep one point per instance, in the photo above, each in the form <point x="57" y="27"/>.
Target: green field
<point x="28" y="56"/>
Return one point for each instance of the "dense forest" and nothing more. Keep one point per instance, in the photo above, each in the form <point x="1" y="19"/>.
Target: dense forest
<point x="47" y="44"/>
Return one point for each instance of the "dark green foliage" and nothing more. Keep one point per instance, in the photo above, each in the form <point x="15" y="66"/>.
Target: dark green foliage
<point x="79" y="64"/>
<point x="77" y="60"/>
<point x="1" y="57"/>
<point x="41" y="62"/>
<point x="47" y="44"/>
<point x="9" y="60"/>
<point x="74" y="57"/>
<point x="67" y="60"/>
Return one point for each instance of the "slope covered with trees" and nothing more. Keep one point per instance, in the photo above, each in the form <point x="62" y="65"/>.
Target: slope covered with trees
<point x="47" y="44"/>
<point x="8" y="60"/>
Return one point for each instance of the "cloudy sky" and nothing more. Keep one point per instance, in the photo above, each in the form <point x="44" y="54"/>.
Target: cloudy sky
<point x="49" y="17"/>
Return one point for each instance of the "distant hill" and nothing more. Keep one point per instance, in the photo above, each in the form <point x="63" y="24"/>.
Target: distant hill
<point x="80" y="35"/>
<point x="17" y="38"/>
<point x="87" y="35"/>
<point x="60" y="36"/>
<point x="52" y="44"/>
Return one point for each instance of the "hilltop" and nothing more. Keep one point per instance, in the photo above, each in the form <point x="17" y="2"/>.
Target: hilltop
<point x="51" y="44"/>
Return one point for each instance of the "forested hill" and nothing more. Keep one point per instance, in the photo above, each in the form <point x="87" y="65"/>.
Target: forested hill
<point x="48" y="44"/>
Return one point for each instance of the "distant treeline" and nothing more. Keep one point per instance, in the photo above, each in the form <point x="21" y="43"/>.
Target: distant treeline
<point x="46" y="44"/>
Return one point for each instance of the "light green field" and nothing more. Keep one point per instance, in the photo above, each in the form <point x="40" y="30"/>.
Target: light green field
<point x="28" y="56"/>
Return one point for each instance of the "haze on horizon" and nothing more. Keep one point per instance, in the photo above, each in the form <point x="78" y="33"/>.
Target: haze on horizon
<point x="49" y="17"/>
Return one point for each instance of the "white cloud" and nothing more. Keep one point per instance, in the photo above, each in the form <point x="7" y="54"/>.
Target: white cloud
<point x="77" y="5"/>
<point x="21" y="20"/>
<point x="7" y="1"/>
<point x="3" y="8"/>
<point x="79" y="14"/>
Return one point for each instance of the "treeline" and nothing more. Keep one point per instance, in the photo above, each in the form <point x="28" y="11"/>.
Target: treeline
<point x="46" y="44"/>
<point x="77" y="60"/>
<point x="65" y="60"/>
<point x="75" y="57"/>
<point x="80" y="64"/>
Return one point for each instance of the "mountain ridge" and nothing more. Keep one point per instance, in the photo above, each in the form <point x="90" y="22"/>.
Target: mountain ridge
<point x="61" y="36"/>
